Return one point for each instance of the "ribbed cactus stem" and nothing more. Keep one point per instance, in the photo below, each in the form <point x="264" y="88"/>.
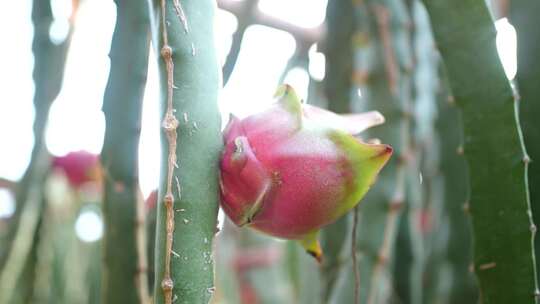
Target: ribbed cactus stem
<point x="463" y="287"/>
<point x="338" y="88"/>
<point x="391" y="18"/>
<point x="381" y="68"/>
<point x="191" y="141"/>
<point x="523" y="15"/>
<point x="499" y="201"/>
<point x="125" y="262"/>
<point x="425" y="203"/>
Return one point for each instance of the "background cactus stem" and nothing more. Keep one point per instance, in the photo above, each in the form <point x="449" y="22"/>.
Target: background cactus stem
<point x="355" y="257"/>
<point x="125" y="260"/>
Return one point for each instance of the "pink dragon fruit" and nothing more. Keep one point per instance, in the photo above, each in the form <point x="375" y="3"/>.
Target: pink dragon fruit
<point x="79" y="167"/>
<point x="294" y="168"/>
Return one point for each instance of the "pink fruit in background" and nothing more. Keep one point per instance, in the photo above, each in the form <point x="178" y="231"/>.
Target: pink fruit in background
<point x="294" y="168"/>
<point x="79" y="167"/>
<point x="151" y="201"/>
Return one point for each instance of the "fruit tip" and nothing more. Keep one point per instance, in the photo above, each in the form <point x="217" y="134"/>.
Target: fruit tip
<point x="317" y="255"/>
<point x="282" y="90"/>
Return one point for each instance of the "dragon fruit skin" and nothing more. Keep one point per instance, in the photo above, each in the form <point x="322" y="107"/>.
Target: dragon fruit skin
<point x="288" y="172"/>
<point x="79" y="167"/>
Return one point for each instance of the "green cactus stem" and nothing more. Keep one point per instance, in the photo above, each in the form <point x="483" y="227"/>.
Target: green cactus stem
<point x="424" y="183"/>
<point x="388" y="89"/>
<point x="49" y="59"/>
<point x="338" y="88"/>
<point x="523" y="16"/>
<point x="499" y="203"/>
<point x="17" y="247"/>
<point x="244" y="17"/>
<point x="191" y="145"/>
<point x="381" y="72"/>
<point x="453" y="166"/>
<point x="124" y="274"/>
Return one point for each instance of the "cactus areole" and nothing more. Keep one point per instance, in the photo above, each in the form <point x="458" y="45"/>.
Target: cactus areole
<point x="294" y="168"/>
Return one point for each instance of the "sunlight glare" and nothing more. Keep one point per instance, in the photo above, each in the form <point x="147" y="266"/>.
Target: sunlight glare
<point x="317" y="63"/>
<point x="298" y="78"/>
<point x="17" y="113"/>
<point x="89" y="226"/>
<point x="304" y="13"/>
<point x="149" y="146"/>
<point x="507" y="46"/>
<point x="7" y="203"/>
<point x="76" y="121"/>
<point x="264" y="54"/>
<point x="59" y="30"/>
<point x="224" y="27"/>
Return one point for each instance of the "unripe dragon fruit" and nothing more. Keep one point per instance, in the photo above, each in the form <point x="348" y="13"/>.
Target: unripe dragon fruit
<point x="294" y="168"/>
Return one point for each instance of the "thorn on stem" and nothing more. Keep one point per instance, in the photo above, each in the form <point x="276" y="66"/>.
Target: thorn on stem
<point x="466" y="208"/>
<point x="167" y="284"/>
<point x="166" y="52"/>
<point x="487" y="266"/>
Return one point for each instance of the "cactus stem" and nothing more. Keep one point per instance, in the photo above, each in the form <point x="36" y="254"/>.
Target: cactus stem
<point x="141" y="277"/>
<point x="354" y="257"/>
<point x="487" y="266"/>
<point x="7" y="184"/>
<point x="382" y="16"/>
<point x="389" y="232"/>
<point x="170" y="124"/>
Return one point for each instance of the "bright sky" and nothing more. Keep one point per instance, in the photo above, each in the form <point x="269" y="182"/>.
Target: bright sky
<point x="76" y="121"/>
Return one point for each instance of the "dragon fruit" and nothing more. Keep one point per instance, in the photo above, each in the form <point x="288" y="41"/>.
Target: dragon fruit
<point x="79" y="167"/>
<point x="294" y="168"/>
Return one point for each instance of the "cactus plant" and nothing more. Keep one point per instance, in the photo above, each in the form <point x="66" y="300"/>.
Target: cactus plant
<point x="463" y="286"/>
<point x="188" y="194"/>
<point x="382" y="60"/>
<point x="499" y="203"/>
<point x="425" y="212"/>
<point x="382" y="66"/>
<point x="19" y="245"/>
<point x="124" y="247"/>
<point x="48" y="73"/>
<point x="527" y="28"/>
<point x="338" y="88"/>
